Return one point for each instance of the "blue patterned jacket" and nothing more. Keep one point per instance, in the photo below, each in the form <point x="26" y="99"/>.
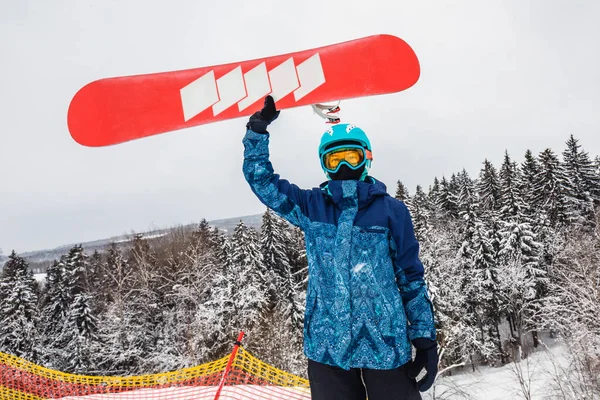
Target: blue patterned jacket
<point x="366" y="297"/>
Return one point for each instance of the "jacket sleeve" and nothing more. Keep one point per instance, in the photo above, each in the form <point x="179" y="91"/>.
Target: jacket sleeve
<point x="410" y="277"/>
<point x="286" y="199"/>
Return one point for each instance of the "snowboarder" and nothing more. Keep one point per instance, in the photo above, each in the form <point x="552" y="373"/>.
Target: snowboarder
<point x="366" y="299"/>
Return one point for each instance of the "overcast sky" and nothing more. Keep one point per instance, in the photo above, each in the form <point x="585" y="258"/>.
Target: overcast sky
<point x="495" y="75"/>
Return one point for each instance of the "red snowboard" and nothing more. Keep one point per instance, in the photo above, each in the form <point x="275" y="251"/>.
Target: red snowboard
<point x="115" y="110"/>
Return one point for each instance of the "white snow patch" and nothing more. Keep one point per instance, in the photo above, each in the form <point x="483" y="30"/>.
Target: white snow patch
<point x="40" y="277"/>
<point x="489" y="383"/>
<point x="358" y="267"/>
<point x="129" y="239"/>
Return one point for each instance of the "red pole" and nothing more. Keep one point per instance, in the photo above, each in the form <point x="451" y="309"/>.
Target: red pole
<point x="238" y="342"/>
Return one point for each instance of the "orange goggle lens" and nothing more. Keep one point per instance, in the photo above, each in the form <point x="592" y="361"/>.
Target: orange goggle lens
<point x="354" y="157"/>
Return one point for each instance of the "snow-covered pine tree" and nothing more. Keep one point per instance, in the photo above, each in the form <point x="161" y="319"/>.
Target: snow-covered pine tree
<point x="447" y="201"/>
<point x="221" y="248"/>
<point x="520" y="276"/>
<point x="467" y="211"/>
<point x="434" y="190"/>
<point x="420" y="210"/>
<point x="248" y="278"/>
<point x="530" y="171"/>
<point x="65" y="278"/>
<point x="468" y="207"/>
<point x="19" y="316"/>
<point x="76" y="270"/>
<point x="488" y="188"/>
<point x="583" y="185"/>
<point x="436" y="213"/>
<point x="541" y="185"/>
<point x="69" y="315"/>
<point x="82" y="316"/>
<point x="13" y="266"/>
<point x="488" y="289"/>
<point x="401" y="191"/>
<point x="551" y="189"/>
<point x="512" y="206"/>
<point x="518" y="257"/>
<point x="519" y="243"/>
<point x="275" y="258"/>
<point x="479" y="281"/>
<point x="201" y="238"/>
<point x="454" y="183"/>
<point x="79" y="335"/>
<point x="489" y="194"/>
<point x="590" y="175"/>
<point x="55" y="303"/>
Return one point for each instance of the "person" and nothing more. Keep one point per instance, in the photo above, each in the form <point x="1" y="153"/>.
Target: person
<point x="366" y="299"/>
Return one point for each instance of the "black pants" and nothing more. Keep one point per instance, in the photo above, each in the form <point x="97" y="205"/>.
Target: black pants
<point x="332" y="383"/>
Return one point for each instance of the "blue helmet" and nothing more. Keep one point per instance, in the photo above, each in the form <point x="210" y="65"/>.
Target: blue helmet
<point x="345" y="134"/>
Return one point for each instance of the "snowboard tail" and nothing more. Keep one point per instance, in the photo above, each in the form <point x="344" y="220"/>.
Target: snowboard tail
<point x="116" y="110"/>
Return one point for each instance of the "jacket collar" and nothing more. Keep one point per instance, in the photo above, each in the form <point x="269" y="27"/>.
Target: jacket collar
<point x="366" y="191"/>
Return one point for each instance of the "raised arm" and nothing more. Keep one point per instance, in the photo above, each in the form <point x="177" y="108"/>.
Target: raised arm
<point x="286" y="199"/>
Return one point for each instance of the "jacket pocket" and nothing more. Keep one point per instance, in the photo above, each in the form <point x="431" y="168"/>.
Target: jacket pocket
<point x="373" y="230"/>
<point x="368" y="237"/>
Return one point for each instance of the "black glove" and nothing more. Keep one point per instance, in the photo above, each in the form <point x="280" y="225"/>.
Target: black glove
<point x="261" y="119"/>
<point x="428" y="358"/>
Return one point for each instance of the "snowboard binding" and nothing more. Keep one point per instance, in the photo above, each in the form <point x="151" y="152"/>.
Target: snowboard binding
<point x="327" y="112"/>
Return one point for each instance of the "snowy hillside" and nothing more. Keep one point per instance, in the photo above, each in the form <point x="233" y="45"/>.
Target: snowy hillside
<point x="46" y="256"/>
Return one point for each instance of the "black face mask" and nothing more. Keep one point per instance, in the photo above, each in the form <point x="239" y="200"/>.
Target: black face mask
<point x="345" y="173"/>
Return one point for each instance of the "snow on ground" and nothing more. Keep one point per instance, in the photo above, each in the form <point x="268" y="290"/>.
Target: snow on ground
<point x="149" y="236"/>
<point x="40" y="277"/>
<point x="539" y="372"/>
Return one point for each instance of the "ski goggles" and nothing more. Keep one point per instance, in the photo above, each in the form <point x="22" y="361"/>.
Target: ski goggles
<point x="355" y="156"/>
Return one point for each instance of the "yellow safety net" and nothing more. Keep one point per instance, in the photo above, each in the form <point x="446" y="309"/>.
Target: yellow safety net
<point x="247" y="378"/>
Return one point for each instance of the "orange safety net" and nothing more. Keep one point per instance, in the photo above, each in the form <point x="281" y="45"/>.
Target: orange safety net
<point x="248" y="378"/>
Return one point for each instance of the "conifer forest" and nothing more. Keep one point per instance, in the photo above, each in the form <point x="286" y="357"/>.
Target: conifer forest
<point x="511" y="255"/>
